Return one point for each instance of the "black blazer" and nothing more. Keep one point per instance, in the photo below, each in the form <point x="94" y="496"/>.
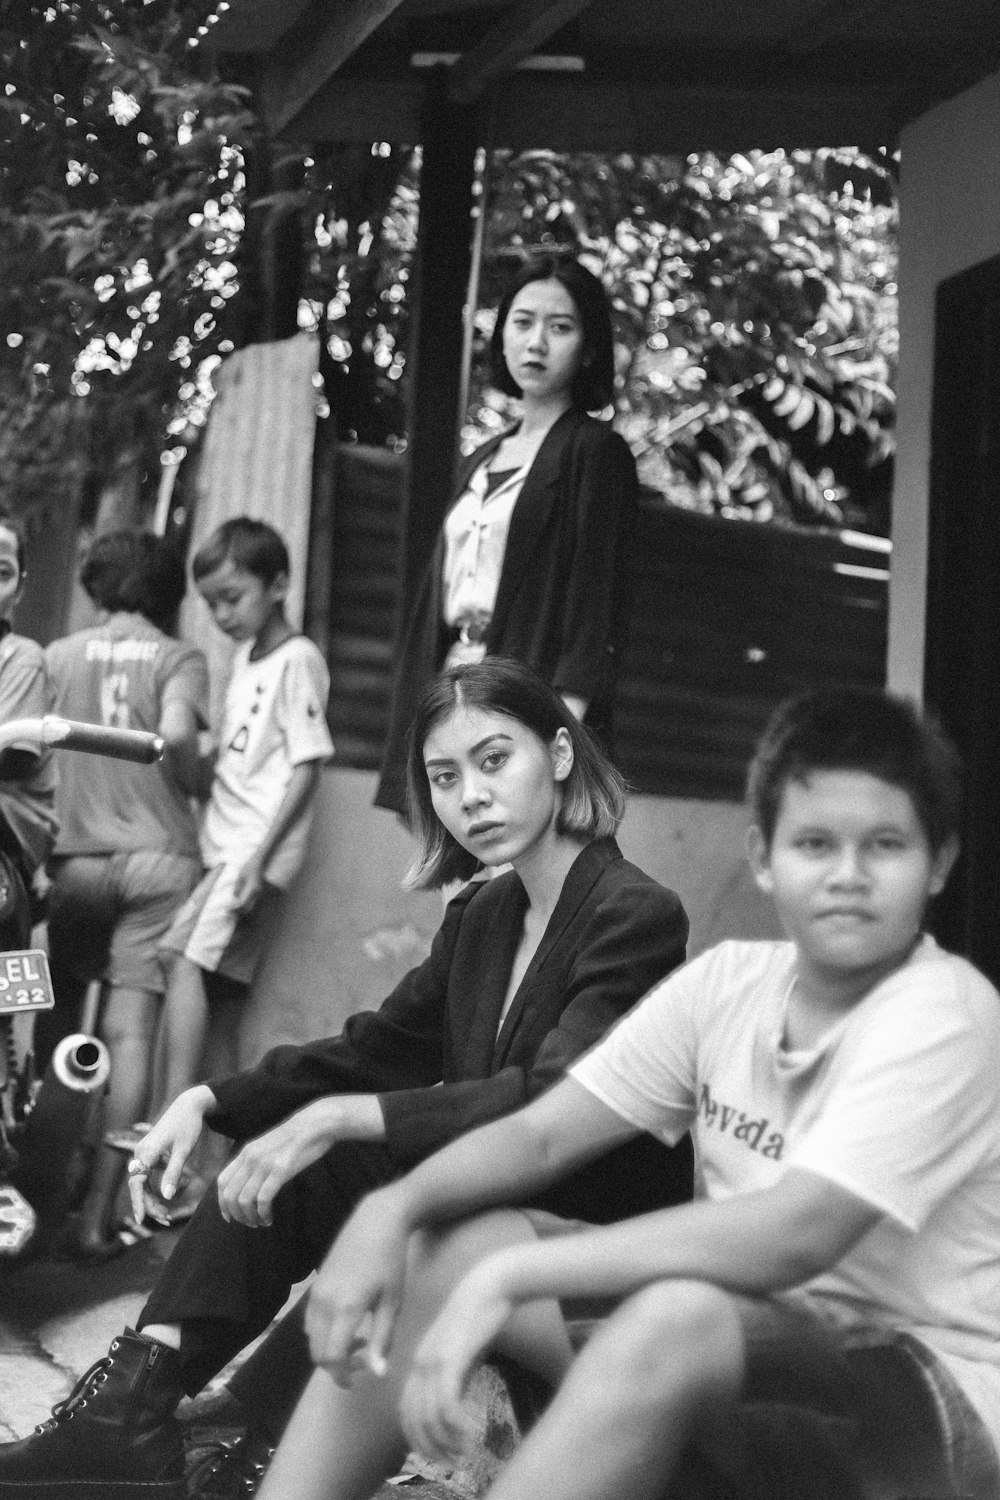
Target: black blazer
<point x="432" y="1051"/>
<point x="561" y="601"/>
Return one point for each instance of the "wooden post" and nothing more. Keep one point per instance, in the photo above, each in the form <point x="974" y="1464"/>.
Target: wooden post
<point x="271" y="256"/>
<point x="484" y="162"/>
<point x="444" y="248"/>
<point x="963" y="596"/>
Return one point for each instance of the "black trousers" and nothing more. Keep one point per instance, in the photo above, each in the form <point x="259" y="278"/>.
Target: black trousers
<point x="224" y="1283"/>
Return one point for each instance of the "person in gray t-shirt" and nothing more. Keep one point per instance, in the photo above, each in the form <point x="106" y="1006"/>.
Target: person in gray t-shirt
<point x="127" y="850"/>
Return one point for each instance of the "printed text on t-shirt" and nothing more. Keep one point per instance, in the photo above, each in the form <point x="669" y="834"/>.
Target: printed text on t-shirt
<point x="729" y="1120"/>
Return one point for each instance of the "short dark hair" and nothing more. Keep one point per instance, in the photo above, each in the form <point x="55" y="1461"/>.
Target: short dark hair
<point x="253" y="546"/>
<point x="135" y="571"/>
<point x="857" y="729"/>
<point x="15" y="526"/>
<point x="593" y="794"/>
<point x="594" y="384"/>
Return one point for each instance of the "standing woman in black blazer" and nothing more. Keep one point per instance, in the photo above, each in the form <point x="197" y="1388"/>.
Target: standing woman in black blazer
<point x="530" y="558"/>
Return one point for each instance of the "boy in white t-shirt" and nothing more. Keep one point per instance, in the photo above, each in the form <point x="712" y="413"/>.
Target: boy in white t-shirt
<point x="272" y="744"/>
<point x="823" y="1322"/>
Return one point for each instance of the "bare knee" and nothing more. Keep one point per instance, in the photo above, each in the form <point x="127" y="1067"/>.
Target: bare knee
<point x="675" y="1342"/>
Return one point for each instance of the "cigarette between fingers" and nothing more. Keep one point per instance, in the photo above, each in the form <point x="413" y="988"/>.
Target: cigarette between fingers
<point x="137" y="1175"/>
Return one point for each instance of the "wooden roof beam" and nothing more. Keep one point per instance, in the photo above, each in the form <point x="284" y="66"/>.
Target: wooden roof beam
<point x="812" y="31"/>
<point x="314" y="56"/>
<point x="516" y="37"/>
<point x="540" y="110"/>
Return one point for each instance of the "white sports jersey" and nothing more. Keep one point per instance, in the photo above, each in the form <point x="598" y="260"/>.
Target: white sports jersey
<point x="274" y="719"/>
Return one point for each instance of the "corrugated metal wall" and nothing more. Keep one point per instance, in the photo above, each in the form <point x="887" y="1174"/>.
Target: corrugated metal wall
<point x="366" y="509"/>
<point x="256" y="461"/>
<point x="729" y="617"/>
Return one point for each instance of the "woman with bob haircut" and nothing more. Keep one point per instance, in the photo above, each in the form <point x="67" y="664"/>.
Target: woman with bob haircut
<point x="526" y="972"/>
<point x="592" y="799"/>
<point x="529" y="560"/>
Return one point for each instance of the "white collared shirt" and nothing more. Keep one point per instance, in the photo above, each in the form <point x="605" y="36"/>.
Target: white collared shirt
<point x="475" y="533"/>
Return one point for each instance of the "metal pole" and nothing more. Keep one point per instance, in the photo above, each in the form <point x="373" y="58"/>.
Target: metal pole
<point x="481" y="189"/>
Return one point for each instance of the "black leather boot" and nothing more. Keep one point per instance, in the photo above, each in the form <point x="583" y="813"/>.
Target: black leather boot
<point x="233" y="1470"/>
<point x="115" y="1434"/>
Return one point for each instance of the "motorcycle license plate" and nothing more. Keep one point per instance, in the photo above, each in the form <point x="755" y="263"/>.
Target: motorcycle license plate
<point x="25" y="982"/>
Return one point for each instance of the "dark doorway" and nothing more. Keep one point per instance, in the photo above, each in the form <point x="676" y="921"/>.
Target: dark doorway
<point x="962" y="666"/>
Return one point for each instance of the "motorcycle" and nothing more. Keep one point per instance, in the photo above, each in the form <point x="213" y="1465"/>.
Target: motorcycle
<point x="42" y="1121"/>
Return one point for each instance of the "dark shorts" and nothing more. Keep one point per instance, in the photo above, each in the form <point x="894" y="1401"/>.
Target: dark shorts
<point x="108" y="914"/>
<point x="866" y="1411"/>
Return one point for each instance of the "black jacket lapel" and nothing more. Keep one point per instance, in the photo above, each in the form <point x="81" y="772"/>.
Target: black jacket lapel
<point x="585" y="871"/>
<point x="473" y="461"/>
<point x="491" y="978"/>
<point x="530" y="517"/>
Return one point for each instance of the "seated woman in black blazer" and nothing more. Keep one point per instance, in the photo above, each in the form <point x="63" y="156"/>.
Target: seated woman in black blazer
<point x="529" y="561"/>
<point x="527" y="971"/>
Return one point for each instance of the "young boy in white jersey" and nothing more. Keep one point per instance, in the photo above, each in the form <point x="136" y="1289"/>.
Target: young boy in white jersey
<point x="824" y="1321"/>
<point x="273" y="742"/>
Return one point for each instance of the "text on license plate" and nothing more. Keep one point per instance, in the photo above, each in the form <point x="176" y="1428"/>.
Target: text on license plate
<point x="25" y="982"/>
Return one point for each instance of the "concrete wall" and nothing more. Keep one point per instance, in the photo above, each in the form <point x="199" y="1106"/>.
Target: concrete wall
<point x="949" y="221"/>
<point x="350" y="931"/>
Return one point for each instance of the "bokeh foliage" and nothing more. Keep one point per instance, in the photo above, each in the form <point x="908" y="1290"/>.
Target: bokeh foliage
<point x="755" y="311"/>
<point x="120" y="220"/>
<point x="754" y="307"/>
<point x="754" y="296"/>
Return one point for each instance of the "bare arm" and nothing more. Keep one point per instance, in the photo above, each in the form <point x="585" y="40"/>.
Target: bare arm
<point x="26" y="696"/>
<point x="505" y="1161"/>
<point x="760" y="1241"/>
<point x="301" y="787"/>
<point x="178" y="727"/>
<point x="509" y="1159"/>
<point x="753" y="1243"/>
<point x="765" y="1240"/>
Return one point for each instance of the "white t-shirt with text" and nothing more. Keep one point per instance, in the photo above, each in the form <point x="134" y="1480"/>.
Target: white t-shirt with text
<point x="899" y="1104"/>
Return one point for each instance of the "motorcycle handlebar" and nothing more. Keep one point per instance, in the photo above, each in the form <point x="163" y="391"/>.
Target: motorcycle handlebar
<point x="93" y="739"/>
<point x="97" y="739"/>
